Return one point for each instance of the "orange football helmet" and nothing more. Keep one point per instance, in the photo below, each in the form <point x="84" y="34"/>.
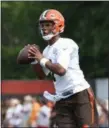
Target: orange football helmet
<point x="56" y="17"/>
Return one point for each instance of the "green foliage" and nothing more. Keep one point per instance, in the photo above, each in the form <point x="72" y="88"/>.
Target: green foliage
<point x="10" y="68"/>
<point x="86" y="22"/>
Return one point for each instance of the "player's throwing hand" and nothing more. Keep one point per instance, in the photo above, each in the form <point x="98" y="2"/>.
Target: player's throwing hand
<point x="35" y="53"/>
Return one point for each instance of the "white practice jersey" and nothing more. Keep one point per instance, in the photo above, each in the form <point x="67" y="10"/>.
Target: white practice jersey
<point x="65" y="52"/>
<point x="16" y="119"/>
<point x="9" y="113"/>
<point x="27" y="107"/>
<point x="44" y="116"/>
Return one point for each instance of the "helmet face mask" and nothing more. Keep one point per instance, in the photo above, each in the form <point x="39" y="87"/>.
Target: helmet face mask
<point x="51" y="23"/>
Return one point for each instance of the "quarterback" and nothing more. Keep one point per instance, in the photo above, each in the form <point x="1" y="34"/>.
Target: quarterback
<point x="74" y="100"/>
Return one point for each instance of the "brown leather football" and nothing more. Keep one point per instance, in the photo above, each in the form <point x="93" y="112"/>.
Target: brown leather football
<point x="22" y="57"/>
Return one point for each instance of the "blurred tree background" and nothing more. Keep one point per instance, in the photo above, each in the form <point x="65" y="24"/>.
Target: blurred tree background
<point x="87" y="23"/>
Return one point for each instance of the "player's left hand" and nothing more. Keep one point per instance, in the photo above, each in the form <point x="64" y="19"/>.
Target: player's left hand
<point x="35" y="53"/>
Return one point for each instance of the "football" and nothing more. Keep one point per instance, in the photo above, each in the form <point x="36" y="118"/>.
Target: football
<point x="22" y="57"/>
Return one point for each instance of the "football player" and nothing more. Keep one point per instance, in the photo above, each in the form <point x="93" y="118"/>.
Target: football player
<point x="75" y="104"/>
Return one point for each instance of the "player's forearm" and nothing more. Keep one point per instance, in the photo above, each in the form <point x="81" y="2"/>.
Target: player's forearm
<point x="55" y="68"/>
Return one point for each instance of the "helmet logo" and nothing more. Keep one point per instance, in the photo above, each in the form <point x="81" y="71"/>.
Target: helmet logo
<point x="52" y="15"/>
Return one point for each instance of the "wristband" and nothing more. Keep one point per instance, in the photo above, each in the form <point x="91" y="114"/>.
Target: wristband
<point x="43" y="62"/>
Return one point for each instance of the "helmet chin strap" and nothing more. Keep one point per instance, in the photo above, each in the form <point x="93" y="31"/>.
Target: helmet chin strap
<point x="49" y="36"/>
